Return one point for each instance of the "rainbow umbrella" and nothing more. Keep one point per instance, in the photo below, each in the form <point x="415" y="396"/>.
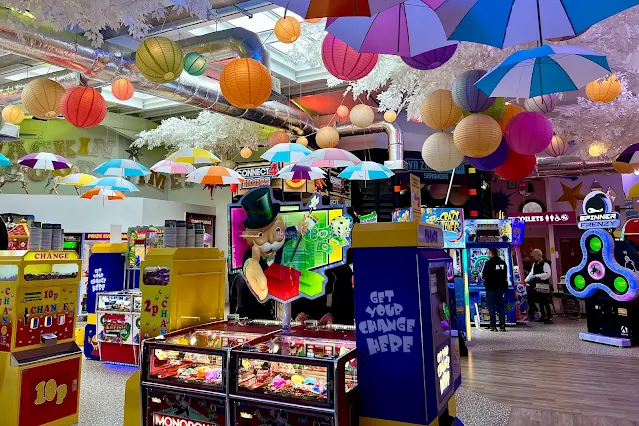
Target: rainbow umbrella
<point x="172" y="167"/>
<point x="78" y="179"/>
<point x="214" y="175"/>
<point x="115" y="183"/>
<point x="312" y="9"/>
<point x="44" y="161"/>
<point x="104" y="194"/>
<point x="4" y="161"/>
<point x="286" y="153"/>
<point x="330" y="158"/>
<point x="299" y="172"/>
<point x="122" y="167"/>
<point x="194" y="156"/>
<point x="367" y="170"/>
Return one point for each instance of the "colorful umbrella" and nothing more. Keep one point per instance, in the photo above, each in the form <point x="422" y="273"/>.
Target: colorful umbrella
<point x="44" y="161"/>
<point x="628" y="160"/>
<point x="78" y="179"/>
<point x="286" y="153"/>
<point x="194" y="156"/>
<point x="407" y="29"/>
<point x="214" y="175"/>
<point x="544" y="70"/>
<point x="367" y="170"/>
<point x="4" y="161"/>
<point x="172" y="167"/>
<point x="311" y="9"/>
<point x="115" y="183"/>
<point x="331" y="158"/>
<point x="104" y="194"/>
<point x="508" y="23"/>
<point x="122" y="167"/>
<point x="299" y="172"/>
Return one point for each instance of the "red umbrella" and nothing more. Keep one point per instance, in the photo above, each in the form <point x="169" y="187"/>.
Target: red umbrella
<point x="311" y="9"/>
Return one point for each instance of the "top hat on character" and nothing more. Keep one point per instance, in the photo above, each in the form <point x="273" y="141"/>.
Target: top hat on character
<point x="260" y="209"/>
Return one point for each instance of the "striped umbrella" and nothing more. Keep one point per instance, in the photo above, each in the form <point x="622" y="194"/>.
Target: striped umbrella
<point x="172" y="167"/>
<point x="4" y="161"/>
<point x="104" y="194"/>
<point x="115" y="183"/>
<point x="78" y="179"/>
<point x="44" y="161"/>
<point x="544" y="70"/>
<point x="286" y="153"/>
<point x="628" y="160"/>
<point x="122" y="167"/>
<point x="330" y="158"/>
<point x="194" y="156"/>
<point x="214" y="175"/>
<point x="367" y="170"/>
<point x="300" y="172"/>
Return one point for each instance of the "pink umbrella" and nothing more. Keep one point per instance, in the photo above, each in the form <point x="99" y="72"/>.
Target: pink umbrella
<point x="331" y="158"/>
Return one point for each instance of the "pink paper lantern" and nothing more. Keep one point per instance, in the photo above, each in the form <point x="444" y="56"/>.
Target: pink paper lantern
<point x="529" y="133"/>
<point x="344" y="62"/>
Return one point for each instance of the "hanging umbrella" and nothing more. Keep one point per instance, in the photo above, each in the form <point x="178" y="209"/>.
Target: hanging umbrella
<point x="286" y="153"/>
<point x="407" y="29"/>
<point x="508" y="23"/>
<point x="214" y="175"/>
<point x="194" y="156"/>
<point x="299" y="172"/>
<point x="4" y="161"/>
<point x="115" y="183"/>
<point x="44" y="161"/>
<point x="311" y="9"/>
<point x="331" y="158"/>
<point x="104" y="194"/>
<point x="172" y="167"/>
<point x="122" y="167"/>
<point x="367" y="170"/>
<point x="628" y="160"/>
<point x="544" y="70"/>
<point x="78" y="179"/>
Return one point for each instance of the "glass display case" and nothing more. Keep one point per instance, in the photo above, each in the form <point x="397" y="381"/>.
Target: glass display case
<point x="118" y="335"/>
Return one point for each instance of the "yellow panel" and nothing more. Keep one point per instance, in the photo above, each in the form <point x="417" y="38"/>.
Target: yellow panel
<point x="109" y="248"/>
<point x="336" y="256"/>
<point x="385" y="234"/>
<point x="197" y="299"/>
<point x="132" y="401"/>
<point x="370" y="421"/>
<point x="452" y="406"/>
<point x="9" y="390"/>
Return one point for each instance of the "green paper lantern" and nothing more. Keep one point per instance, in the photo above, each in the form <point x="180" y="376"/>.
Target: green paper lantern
<point x="496" y="110"/>
<point x="195" y="64"/>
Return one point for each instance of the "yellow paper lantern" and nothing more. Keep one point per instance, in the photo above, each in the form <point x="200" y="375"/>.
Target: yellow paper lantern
<point x="13" y="114"/>
<point x="313" y="20"/>
<point x="477" y="135"/>
<point x="327" y="137"/>
<point x="603" y="90"/>
<point x="342" y="111"/>
<point x="390" y="116"/>
<point x="245" y="83"/>
<point x="41" y="97"/>
<point x="438" y="111"/>
<point x="287" y="29"/>
<point x="510" y="111"/>
<point x="277" y="138"/>
<point x="246" y="152"/>
<point x="159" y="59"/>
<point x="439" y="152"/>
<point x="598" y="148"/>
<point x="362" y="116"/>
<point x="302" y="141"/>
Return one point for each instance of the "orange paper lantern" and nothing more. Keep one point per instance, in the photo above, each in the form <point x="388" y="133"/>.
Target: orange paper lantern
<point x="343" y="111"/>
<point x="83" y="107"/>
<point x="245" y="83"/>
<point x="510" y="111"/>
<point x="246" y="152"/>
<point x="277" y="138"/>
<point x="41" y="97"/>
<point x="603" y="90"/>
<point x="327" y="137"/>
<point x="122" y="89"/>
<point x="302" y="141"/>
<point x="13" y="114"/>
<point x="287" y="29"/>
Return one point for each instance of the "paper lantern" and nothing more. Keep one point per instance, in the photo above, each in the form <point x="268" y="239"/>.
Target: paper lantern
<point x="302" y="141"/>
<point x="287" y="29"/>
<point x="603" y="90"/>
<point x="313" y="20"/>
<point x="496" y="110"/>
<point x="477" y="135"/>
<point x="529" y="133"/>
<point x="344" y="62"/>
<point x="13" y="114"/>
<point x="327" y="137"/>
<point x="83" y="107"/>
<point x="439" y="152"/>
<point x="245" y="83"/>
<point x="362" y="116"/>
<point x="438" y="191"/>
<point x="342" y="111"/>
<point x="122" y="89"/>
<point x="159" y="59"/>
<point x="246" y="152"/>
<point x="598" y="148"/>
<point x="195" y="64"/>
<point x="492" y="161"/>
<point x="517" y="166"/>
<point x="41" y="97"/>
<point x="543" y="104"/>
<point x="390" y="116"/>
<point x="467" y="96"/>
<point x="432" y="59"/>
<point x="510" y="110"/>
<point x="438" y="111"/>
<point x="276" y="138"/>
<point x="558" y="147"/>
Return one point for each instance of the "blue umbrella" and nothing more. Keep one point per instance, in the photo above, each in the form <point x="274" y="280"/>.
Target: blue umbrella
<point x="114" y="183"/>
<point x="122" y="167"/>
<point x="506" y="23"/>
<point x="544" y="70"/>
<point x="286" y="153"/>
<point x="367" y="170"/>
<point x="4" y="161"/>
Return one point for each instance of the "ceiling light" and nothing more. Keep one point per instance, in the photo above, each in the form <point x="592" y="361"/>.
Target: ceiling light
<point x="34" y="71"/>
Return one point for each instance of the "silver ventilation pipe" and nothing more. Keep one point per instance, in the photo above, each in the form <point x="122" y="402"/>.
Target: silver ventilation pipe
<point x="570" y="166"/>
<point x="395" y="140"/>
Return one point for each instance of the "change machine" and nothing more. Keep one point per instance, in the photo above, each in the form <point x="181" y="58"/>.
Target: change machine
<point x="402" y="317"/>
<point x="39" y="359"/>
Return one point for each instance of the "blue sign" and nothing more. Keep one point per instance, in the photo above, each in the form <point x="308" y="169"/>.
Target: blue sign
<point x="451" y="222"/>
<point x="106" y="273"/>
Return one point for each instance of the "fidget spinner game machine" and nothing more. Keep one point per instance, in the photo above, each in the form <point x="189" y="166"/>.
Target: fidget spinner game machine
<point x="609" y="289"/>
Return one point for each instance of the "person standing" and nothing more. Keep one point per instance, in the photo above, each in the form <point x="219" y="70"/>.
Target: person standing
<point x="539" y="280"/>
<point x="495" y="276"/>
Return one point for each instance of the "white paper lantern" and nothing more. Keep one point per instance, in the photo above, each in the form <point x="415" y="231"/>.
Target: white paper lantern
<point x="327" y="137"/>
<point x="558" y="147"/>
<point x="543" y="104"/>
<point x="362" y="116"/>
<point x="439" y="152"/>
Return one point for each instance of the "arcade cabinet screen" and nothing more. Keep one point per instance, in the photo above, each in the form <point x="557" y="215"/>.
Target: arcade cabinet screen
<point x="488" y="235"/>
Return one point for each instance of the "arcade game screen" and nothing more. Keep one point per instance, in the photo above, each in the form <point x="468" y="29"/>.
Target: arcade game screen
<point x="479" y="256"/>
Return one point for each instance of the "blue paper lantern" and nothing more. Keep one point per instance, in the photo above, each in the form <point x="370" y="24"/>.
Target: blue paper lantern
<point x="492" y="161"/>
<point x="195" y="64"/>
<point x="467" y="96"/>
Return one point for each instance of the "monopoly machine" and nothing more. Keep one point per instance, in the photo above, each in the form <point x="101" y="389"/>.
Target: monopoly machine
<point x="607" y="276"/>
<point x="39" y="359"/>
<point x="407" y="361"/>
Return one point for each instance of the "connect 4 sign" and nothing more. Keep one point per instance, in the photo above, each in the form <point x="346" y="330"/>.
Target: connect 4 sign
<point x="257" y="175"/>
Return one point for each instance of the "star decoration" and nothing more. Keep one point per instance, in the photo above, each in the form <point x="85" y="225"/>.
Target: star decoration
<point x="501" y="201"/>
<point x="134" y="153"/>
<point x="571" y="195"/>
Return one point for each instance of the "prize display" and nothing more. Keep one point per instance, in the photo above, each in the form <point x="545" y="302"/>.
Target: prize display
<point x="118" y="326"/>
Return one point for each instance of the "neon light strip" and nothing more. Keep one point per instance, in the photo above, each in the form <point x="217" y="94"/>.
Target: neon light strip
<point x="466" y="293"/>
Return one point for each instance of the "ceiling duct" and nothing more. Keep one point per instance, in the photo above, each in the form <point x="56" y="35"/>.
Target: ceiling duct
<point x="570" y="166"/>
<point x="395" y="140"/>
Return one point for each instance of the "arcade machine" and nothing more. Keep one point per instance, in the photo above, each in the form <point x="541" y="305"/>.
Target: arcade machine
<point x="403" y="326"/>
<point x="118" y="326"/>
<point x="610" y="290"/>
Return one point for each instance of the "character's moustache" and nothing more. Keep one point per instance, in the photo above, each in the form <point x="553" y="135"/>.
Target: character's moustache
<point x="274" y="246"/>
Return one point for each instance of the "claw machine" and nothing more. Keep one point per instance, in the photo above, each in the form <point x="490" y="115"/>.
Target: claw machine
<point x="39" y="359"/>
<point x="118" y="336"/>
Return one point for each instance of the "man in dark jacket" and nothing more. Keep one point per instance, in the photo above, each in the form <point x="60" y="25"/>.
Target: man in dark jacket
<point x="495" y="276"/>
